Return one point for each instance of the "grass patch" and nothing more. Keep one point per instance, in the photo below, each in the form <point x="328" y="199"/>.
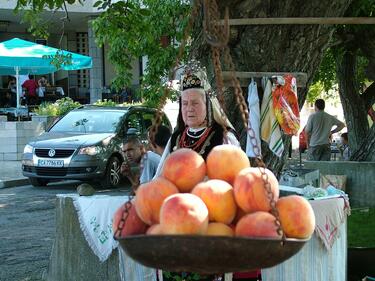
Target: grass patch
<point x="361" y="228"/>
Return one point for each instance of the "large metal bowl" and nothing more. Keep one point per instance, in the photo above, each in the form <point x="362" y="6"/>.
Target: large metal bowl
<point x="208" y="254"/>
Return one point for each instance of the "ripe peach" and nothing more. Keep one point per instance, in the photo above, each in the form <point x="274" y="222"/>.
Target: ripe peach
<point x="133" y="224"/>
<point x="150" y="196"/>
<point x="239" y="214"/>
<point x="184" y="168"/>
<point x="250" y="192"/>
<point x="219" y="198"/>
<point x="225" y="161"/>
<point x="154" y="229"/>
<point x="184" y="213"/>
<point x="296" y="216"/>
<point x="219" y="229"/>
<point x="258" y="224"/>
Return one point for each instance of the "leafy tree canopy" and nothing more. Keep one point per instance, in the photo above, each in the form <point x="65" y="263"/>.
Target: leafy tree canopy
<point x="343" y="40"/>
<point x="132" y="29"/>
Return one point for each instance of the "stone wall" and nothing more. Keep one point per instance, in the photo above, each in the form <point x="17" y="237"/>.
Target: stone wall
<point x="71" y="257"/>
<point x="360" y="184"/>
<point x="15" y="135"/>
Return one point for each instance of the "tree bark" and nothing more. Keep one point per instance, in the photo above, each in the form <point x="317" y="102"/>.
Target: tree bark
<point x="366" y="151"/>
<point x="280" y="48"/>
<point x="354" y="107"/>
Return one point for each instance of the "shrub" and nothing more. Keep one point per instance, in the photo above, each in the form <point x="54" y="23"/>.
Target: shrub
<point x="58" y="108"/>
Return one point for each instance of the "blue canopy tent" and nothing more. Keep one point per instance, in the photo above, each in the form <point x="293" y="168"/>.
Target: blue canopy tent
<point x="19" y="56"/>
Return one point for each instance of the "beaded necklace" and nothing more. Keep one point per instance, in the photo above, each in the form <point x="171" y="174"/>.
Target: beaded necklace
<point x="184" y="142"/>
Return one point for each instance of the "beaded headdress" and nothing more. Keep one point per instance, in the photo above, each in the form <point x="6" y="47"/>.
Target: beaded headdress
<point x="194" y="76"/>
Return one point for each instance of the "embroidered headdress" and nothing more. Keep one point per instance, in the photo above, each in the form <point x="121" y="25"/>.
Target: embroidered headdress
<point x="194" y="77"/>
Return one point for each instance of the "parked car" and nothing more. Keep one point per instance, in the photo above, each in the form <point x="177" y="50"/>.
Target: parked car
<point x="85" y="145"/>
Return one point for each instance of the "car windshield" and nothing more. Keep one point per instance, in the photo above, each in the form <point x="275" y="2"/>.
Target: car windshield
<point x="89" y="121"/>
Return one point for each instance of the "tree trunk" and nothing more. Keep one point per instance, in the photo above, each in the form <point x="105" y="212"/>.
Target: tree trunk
<point x="281" y="48"/>
<point x="354" y="108"/>
<point x="361" y="138"/>
<point x="366" y="151"/>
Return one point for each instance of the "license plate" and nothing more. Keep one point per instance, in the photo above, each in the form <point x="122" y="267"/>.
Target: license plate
<point x="50" y="163"/>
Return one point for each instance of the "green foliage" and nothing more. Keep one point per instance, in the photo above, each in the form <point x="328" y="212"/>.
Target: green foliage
<point x="361" y="227"/>
<point x="60" y="58"/>
<point x="131" y="28"/>
<point x="326" y="75"/>
<point x="134" y="28"/>
<point x="58" y="108"/>
<point x="106" y="102"/>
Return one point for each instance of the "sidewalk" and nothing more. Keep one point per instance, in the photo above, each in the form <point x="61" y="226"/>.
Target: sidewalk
<point x="11" y="174"/>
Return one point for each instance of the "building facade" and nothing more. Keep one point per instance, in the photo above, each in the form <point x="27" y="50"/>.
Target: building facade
<point x="75" y="35"/>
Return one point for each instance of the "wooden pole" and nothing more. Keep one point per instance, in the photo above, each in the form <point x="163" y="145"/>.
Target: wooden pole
<point x="277" y="21"/>
<point x="245" y="77"/>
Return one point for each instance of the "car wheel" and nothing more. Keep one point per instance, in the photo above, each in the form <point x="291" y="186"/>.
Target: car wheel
<point x="112" y="175"/>
<point x="38" y="182"/>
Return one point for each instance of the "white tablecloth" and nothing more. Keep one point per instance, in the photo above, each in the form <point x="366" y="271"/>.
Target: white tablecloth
<point x="316" y="262"/>
<point x="95" y="215"/>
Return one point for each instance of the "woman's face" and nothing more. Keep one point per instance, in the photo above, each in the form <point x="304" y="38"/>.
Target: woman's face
<point x="193" y="108"/>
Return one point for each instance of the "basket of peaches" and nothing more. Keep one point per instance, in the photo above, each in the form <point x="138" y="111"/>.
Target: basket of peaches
<point x="213" y="216"/>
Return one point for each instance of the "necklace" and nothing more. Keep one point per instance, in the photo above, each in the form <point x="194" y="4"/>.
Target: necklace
<point x="193" y="144"/>
<point x="195" y="134"/>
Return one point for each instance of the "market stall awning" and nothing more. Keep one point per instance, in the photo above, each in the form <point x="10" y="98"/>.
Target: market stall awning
<point x="32" y="58"/>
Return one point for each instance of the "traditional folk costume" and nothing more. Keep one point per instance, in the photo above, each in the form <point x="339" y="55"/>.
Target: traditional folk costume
<point x="218" y="131"/>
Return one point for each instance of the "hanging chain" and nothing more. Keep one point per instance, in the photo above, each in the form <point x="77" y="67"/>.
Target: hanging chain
<point x="158" y="118"/>
<point x="212" y="17"/>
<point x="127" y="206"/>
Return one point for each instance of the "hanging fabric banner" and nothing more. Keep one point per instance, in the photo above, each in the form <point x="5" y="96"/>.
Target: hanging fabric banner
<point x="254" y="118"/>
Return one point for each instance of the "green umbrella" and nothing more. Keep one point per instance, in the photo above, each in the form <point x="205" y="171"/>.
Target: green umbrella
<point x="19" y="56"/>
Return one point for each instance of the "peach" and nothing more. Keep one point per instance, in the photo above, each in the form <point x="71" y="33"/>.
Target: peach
<point x="154" y="229"/>
<point x="219" y="229"/>
<point x="184" y="213"/>
<point x="296" y="216"/>
<point x="219" y="198"/>
<point x="239" y="214"/>
<point x="133" y="224"/>
<point x="150" y="196"/>
<point x="258" y="224"/>
<point x="184" y="168"/>
<point x="250" y="192"/>
<point x="225" y="161"/>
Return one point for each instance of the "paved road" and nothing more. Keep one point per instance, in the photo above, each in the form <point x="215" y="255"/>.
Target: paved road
<point x="27" y="229"/>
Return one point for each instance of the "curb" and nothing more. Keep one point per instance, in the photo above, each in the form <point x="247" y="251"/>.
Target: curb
<point x="14" y="182"/>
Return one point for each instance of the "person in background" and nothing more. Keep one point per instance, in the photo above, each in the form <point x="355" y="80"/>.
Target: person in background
<point x="12" y="84"/>
<point x="160" y="139"/>
<point x="43" y="82"/>
<point x="12" y="92"/>
<point x="139" y="165"/>
<point x="318" y="132"/>
<point x="345" y="151"/>
<point x="31" y="87"/>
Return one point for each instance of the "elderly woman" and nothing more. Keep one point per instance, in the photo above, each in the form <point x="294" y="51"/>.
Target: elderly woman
<point x="201" y="122"/>
<point x="201" y="125"/>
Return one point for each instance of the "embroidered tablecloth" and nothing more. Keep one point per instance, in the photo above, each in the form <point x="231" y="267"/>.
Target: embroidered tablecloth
<point x="95" y="215"/>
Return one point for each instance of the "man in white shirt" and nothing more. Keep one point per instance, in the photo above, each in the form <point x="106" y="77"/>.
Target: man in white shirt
<point x="318" y="131"/>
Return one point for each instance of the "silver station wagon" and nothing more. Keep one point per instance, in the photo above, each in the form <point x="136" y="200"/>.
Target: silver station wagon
<point x="85" y="145"/>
